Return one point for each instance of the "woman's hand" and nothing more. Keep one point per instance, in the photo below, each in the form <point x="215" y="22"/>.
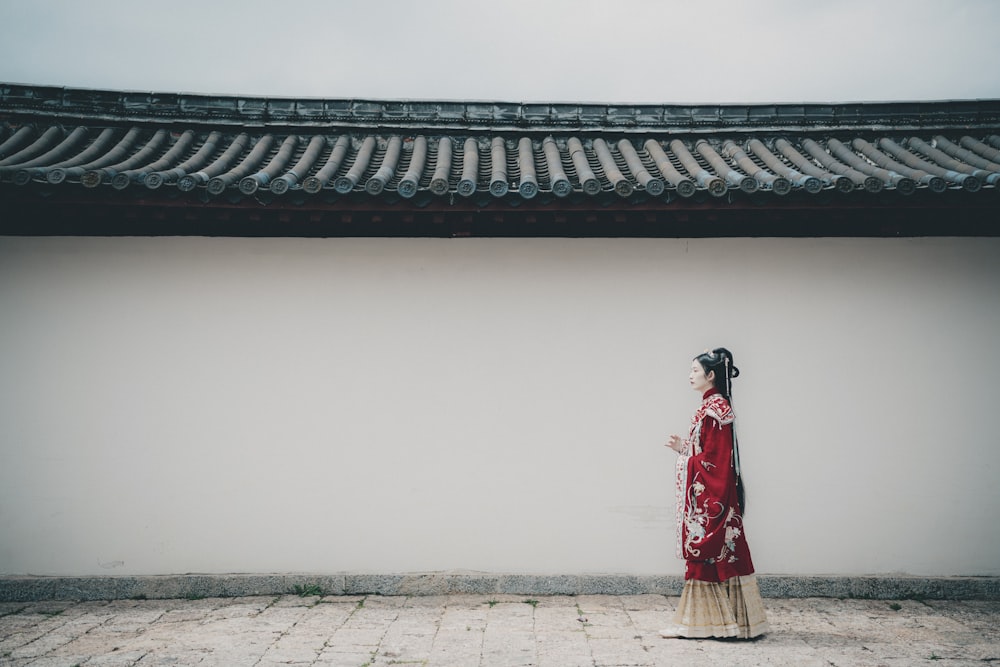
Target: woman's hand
<point x="675" y="443"/>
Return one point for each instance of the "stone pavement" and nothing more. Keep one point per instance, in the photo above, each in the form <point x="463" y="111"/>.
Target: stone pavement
<point x="484" y="631"/>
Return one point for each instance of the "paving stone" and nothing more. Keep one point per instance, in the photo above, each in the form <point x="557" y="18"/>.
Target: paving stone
<point x="351" y="638"/>
<point x="564" y="619"/>
<point x="409" y="642"/>
<point x="119" y="659"/>
<point x="348" y="659"/>
<point x="591" y="604"/>
<point x="297" y="601"/>
<point x="467" y="631"/>
<point x="46" y="644"/>
<point x="44" y="662"/>
<point x="342" y="599"/>
<point x="558" y="648"/>
<point x="239" y="609"/>
<point x="182" y="615"/>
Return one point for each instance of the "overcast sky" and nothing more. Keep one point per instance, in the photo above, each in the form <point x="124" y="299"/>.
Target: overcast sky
<point x="614" y="51"/>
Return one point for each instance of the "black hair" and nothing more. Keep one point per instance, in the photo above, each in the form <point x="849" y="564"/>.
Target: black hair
<point x="720" y="360"/>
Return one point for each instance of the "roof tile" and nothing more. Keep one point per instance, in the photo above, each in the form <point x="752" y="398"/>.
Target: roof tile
<point x="67" y="137"/>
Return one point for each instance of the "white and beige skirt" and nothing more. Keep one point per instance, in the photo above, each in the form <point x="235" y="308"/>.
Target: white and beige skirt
<point x="731" y="608"/>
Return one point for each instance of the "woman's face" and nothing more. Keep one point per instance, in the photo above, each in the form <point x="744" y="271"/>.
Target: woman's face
<point x="699" y="381"/>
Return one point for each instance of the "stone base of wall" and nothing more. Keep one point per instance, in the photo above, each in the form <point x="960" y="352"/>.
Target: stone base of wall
<point x="30" y="588"/>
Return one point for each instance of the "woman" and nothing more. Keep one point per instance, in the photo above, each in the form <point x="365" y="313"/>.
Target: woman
<point x="720" y="596"/>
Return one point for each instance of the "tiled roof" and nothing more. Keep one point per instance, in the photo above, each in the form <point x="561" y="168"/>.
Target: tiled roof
<point x="97" y="139"/>
<point x="86" y="148"/>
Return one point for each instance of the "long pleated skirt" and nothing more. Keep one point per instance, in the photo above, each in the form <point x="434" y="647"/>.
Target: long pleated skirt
<point x="732" y="608"/>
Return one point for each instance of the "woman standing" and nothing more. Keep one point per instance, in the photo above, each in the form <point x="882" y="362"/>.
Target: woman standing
<point x="720" y="597"/>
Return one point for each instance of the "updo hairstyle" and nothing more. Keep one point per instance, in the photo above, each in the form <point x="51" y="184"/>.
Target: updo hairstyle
<point x="720" y="360"/>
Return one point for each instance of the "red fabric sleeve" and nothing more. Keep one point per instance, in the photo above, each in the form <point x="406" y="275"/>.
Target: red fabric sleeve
<point x="711" y="489"/>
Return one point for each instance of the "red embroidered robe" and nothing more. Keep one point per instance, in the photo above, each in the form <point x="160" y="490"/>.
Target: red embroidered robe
<point x="709" y="524"/>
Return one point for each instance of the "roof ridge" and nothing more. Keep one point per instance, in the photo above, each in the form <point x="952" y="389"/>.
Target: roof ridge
<point x="65" y="103"/>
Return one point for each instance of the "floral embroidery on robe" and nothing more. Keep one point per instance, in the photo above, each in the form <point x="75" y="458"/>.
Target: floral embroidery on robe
<point x="709" y="524"/>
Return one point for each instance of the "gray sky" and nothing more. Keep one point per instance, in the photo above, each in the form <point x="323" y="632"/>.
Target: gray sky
<point x="614" y="51"/>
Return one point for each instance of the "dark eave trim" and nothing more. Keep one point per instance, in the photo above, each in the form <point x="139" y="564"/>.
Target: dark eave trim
<point x="38" y="210"/>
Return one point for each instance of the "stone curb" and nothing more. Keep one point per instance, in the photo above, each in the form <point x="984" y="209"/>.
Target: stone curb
<point x="32" y="588"/>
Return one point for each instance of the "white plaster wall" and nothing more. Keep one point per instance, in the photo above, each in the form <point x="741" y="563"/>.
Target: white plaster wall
<point x="172" y="405"/>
